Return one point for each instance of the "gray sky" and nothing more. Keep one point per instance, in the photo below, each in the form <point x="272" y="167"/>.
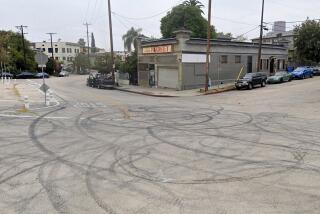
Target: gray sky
<point x="66" y="17"/>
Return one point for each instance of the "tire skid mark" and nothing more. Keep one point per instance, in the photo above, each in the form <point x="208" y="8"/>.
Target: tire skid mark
<point x="57" y="201"/>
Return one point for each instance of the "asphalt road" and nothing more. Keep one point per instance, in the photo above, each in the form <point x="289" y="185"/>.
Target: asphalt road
<point x="99" y="151"/>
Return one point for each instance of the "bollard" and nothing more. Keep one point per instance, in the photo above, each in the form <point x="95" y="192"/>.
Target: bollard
<point x="6" y="82"/>
<point x="51" y="98"/>
<point x="48" y="94"/>
<point x="26" y="102"/>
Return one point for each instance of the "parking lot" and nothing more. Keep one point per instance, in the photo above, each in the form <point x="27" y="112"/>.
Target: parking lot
<point x="103" y="151"/>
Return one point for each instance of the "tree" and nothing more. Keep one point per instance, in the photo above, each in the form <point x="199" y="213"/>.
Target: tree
<point x="81" y="42"/>
<point x="130" y="37"/>
<point x="11" y="52"/>
<point x="81" y="63"/>
<point x="53" y="66"/>
<point x="224" y="35"/>
<point x="103" y="63"/>
<point x="307" y="42"/>
<point x="93" y="44"/>
<point x="186" y="16"/>
<point x="194" y="3"/>
<point x="130" y="67"/>
<point x="240" y="38"/>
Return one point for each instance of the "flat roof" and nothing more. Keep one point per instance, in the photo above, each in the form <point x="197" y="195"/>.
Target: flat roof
<point x="199" y="41"/>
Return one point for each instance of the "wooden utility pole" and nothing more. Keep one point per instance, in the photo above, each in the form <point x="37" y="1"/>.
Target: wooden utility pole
<point x="208" y="46"/>
<point x="88" y="45"/>
<point x="51" y="44"/>
<point x="111" y="41"/>
<point x="260" y="40"/>
<point x="21" y="28"/>
<point x="54" y="69"/>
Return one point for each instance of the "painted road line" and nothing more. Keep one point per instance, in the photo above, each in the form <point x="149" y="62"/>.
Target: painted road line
<point x="37" y="86"/>
<point x="33" y="117"/>
<point x="9" y="101"/>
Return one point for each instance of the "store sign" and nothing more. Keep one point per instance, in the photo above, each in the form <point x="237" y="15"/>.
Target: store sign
<point x="194" y="58"/>
<point x="157" y="49"/>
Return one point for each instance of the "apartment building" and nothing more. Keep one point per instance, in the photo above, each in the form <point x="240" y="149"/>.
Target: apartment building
<point x="62" y="51"/>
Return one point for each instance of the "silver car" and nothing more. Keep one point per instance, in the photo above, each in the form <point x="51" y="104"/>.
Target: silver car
<point x="64" y="73"/>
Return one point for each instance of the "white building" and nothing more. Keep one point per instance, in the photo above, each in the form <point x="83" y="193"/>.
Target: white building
<point x="62" y="51"/>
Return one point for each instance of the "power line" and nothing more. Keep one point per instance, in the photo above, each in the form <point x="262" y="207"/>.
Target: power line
<point x="135" y="24"/>
<point x="123" y="24"/>
<point x="250" y="30"/>
<point x="148" y="17"/>
<point x="233" y="21"/>
<point x="87" y="10"/>
<point x="94" y="10"/>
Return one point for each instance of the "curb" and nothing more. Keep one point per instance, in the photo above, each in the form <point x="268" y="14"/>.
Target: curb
<point x="213" y="91"/>
<point x="145" y="93"/>
<point x="217" y="91"/>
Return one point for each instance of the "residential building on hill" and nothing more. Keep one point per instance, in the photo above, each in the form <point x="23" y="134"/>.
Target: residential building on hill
<point x="279" y="36"/>
<point x="63" y="51"/>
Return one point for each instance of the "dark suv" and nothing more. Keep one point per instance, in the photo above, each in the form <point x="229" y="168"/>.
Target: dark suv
<point x="250" y="80"/>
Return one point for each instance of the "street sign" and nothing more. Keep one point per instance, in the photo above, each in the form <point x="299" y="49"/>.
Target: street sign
<point x="44" y="88"/>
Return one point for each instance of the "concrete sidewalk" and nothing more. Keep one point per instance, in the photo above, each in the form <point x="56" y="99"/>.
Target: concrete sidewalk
<point x="14" y="95"/>
<point x="160" y="92"/>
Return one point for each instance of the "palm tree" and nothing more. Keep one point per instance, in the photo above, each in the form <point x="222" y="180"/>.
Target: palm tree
<point x="193" y="3"/>
<point x="130" y="37"/>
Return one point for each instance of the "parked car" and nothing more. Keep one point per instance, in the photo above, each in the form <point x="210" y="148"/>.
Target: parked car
<point x="92" y="80"/>
<point x="40" y="75"/>
<point x="302" y="73"/>
<point x="280" y="77"/>
<point x="106" y="81"/>
<point x="25" y="75"/>
<point x="97" y="80"/>
<point x="64" y="73"/>
<point x="6" y="74"/>
<point x="250" y="80"/>
<point x="316" y="71"/>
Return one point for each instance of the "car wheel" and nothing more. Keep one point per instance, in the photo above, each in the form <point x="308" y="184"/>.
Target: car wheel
<point x="311" y="75"/>
<point x="238" y="88"/>
<point x="281" y="80"/>
<point x="250" y="87"/>
<point x="263" y="84"/>
<point x="303" y="77"/>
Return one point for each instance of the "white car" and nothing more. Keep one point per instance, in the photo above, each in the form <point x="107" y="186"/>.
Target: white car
<point x="64" y="74"/>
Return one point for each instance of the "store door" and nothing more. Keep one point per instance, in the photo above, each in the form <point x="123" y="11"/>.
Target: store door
<point x="249" y="64"/>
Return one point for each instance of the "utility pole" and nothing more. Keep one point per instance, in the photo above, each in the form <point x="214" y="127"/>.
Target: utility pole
<point x="88" y="46"/>
<point x="43" y="79"/>
<point x="51" y="44"/>
<point x="260" y="40"/>
<point x="208" y="46"/>
<point x="21" y="28"/>
<point x="54" y="69"/>
<point x="111" y="41"/>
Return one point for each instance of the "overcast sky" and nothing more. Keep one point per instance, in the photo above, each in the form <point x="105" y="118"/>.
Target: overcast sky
<point x="66" y="17"/>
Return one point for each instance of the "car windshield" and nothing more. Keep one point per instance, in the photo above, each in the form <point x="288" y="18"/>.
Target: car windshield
<point x="248" y="76"/>
<point x="299" y="69"/>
